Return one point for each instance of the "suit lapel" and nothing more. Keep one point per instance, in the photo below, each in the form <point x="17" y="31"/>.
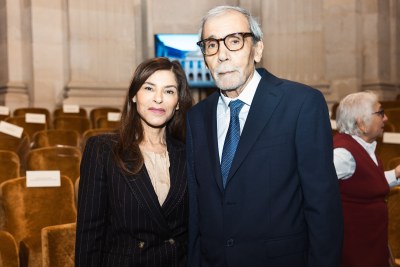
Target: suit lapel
<point x="210" y="115"/>
<point x="265" y="100"/>
<point x="178" y="179"/>
<point x="145" y="195"/>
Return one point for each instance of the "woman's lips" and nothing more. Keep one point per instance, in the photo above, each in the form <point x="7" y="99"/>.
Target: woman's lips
<point x="157" y="110"/>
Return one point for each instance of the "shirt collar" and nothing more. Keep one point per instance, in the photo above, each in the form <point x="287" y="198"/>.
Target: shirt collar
<point x="247" y="94"/>
<point x="370" y="147"/>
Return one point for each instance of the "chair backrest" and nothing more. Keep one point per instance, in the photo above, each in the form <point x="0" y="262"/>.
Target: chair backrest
<point x="393" y="115"/>
<point x="8" y="250"/>
<point x="9" y="165"/>
<point x="93" y="132"/>
<point x="393" y="163"/>
<point x="65" y="159"/>
<point x="55" y="137"/>
<point x="76" y="188"/>
<point x="393" y="203"/>
<point x="23" y="111"/>
<point x="79" y="124"/>
<point x="103" y="122"/>
<point x="387" y="151"/>
<point x="58" y="245"/>
<point x="3" y="117"/>
<point x="333" y="110"/>
<point x="60" y="112"/>
<point x="28" y="210"/>
<point x="30" y="128"/>
<point x="101" y="112"/>
<point x="21" y="146"/>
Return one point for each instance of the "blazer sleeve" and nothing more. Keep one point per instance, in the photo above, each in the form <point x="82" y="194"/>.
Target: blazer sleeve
<point x="194" y="246"/>
<point x="319" y="183"/>
<point x="92" y="205"/>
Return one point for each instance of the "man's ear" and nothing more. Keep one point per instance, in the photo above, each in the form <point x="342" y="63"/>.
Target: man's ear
<point x="258" y="50"/>
<point x="362" y="126"/>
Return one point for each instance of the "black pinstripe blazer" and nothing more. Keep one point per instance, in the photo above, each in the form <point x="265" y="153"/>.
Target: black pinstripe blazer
<point x="120" y="221"/>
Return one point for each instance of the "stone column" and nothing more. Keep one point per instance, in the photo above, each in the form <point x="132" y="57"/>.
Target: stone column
<point x="15" y="53"/>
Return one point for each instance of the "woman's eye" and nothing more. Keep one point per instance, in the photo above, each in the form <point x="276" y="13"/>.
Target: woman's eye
<point x="171" y="92"/>
<point x="148" y="88"/>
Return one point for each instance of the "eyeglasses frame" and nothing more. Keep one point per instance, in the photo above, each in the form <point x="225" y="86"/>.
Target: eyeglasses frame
<point x="243" y="34"/>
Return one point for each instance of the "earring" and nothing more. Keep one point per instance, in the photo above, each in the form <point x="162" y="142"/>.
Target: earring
<point x="177" y="107"/>
<point x="134" y="99"/>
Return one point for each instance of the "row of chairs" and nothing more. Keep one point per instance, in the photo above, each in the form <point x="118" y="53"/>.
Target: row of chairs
<point x="79" y="121"/>
<point x="37" y="224"/>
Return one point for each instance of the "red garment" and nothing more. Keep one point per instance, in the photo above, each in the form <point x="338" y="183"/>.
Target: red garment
<point x="365" y="211"/>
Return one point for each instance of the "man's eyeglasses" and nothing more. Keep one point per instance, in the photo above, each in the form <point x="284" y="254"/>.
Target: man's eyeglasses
<point x="380" y="113"/>
<point x="233" y="41"/>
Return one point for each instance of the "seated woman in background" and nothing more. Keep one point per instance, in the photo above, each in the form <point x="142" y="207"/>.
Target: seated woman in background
<point x="363" y="183"/>
<point x="132" y="206"/>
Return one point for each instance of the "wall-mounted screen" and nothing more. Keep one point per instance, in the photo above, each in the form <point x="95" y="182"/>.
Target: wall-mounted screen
<point x="183" y="48"/>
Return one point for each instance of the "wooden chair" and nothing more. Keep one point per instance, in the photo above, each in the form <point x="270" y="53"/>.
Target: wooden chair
<point x="390" y="127"/>
<point x="30" y="128"/>
<point x="55" y="137"/>
<point x="23" y="111"/>
<point x="9" y="165"/>
<point x="20" y="146"/>
<point x="58" y="245"/>
<point x="28" y="210"/>
<point x="76" y="189"/>
<point x="65" y="159"/>
<point x="393" y="115"/>
<point x="8" y="250"/>
<point x="3" y="117"/>
<point x="386" y="152"/>
<point x="393" y="202"/>
<point x="393" y="163"/>
<point x="79" y="124"/>
<point x="103" y="122"/>
<point x="100" y="112"/>
<point x="60" y="112"/>
<point x="93" y="132"/>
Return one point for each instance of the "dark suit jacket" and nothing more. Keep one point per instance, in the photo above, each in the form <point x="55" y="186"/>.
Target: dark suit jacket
<point x="281" y="205"/>
<point x="120" y="221"/>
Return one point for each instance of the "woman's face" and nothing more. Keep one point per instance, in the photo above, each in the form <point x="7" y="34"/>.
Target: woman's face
<point x="375" y="128"/>
<point x="157" y="99"/>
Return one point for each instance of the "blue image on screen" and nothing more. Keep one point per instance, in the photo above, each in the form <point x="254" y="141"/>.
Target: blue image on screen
<point x="183" y="48"/>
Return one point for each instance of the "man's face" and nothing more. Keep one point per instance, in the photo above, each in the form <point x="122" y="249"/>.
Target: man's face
<point x="231" y="70"/>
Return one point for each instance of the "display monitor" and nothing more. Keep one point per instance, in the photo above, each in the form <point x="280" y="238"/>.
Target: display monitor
<point x="183" y="48"/>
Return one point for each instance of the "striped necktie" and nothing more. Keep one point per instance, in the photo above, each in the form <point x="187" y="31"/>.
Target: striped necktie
<point x="231" y="139"/>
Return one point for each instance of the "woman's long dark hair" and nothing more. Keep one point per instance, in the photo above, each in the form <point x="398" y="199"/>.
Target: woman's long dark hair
<point x="130" y="132"/>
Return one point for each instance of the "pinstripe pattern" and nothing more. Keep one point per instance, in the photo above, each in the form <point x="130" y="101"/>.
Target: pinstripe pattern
<point x="120" y="221"/>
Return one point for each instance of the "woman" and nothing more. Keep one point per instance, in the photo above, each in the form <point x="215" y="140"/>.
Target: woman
<point x="132" y="208"/>
<point x="363" y="183"/>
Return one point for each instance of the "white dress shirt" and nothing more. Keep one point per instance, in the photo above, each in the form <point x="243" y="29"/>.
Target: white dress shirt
<point x="224" y="113"/>
<point x="345" y="164"/>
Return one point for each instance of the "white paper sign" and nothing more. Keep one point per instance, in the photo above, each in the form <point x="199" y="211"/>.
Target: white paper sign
<point x="43" y="179"/>
<point x="35" y="118"/>
<point x="114" y="116"/>
<point x="4" y="110"/>
<point x="11" y="129"/>
<point x="333" y="125"/>
<point x="70" y="108"/>
<point x="391" y="138"/>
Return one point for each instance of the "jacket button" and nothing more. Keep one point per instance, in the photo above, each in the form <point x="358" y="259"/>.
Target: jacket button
<point x="141" y="244"/>
<point x="230" y="242"/>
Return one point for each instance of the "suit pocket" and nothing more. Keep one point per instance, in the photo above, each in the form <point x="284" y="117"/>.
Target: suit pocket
<point x="286" y="245"/>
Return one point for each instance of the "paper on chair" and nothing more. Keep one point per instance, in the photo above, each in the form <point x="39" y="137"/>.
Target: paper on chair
<point x="70" y="108"/>
<point x="4" y="110"/>
<point x="391" y="138"/>
<point x="333" y="125"/>
<point x="114" y="116"/>
<point x="35" y="118"/>
<point x="11" y="129"/>
<point x="43" y="179"/>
